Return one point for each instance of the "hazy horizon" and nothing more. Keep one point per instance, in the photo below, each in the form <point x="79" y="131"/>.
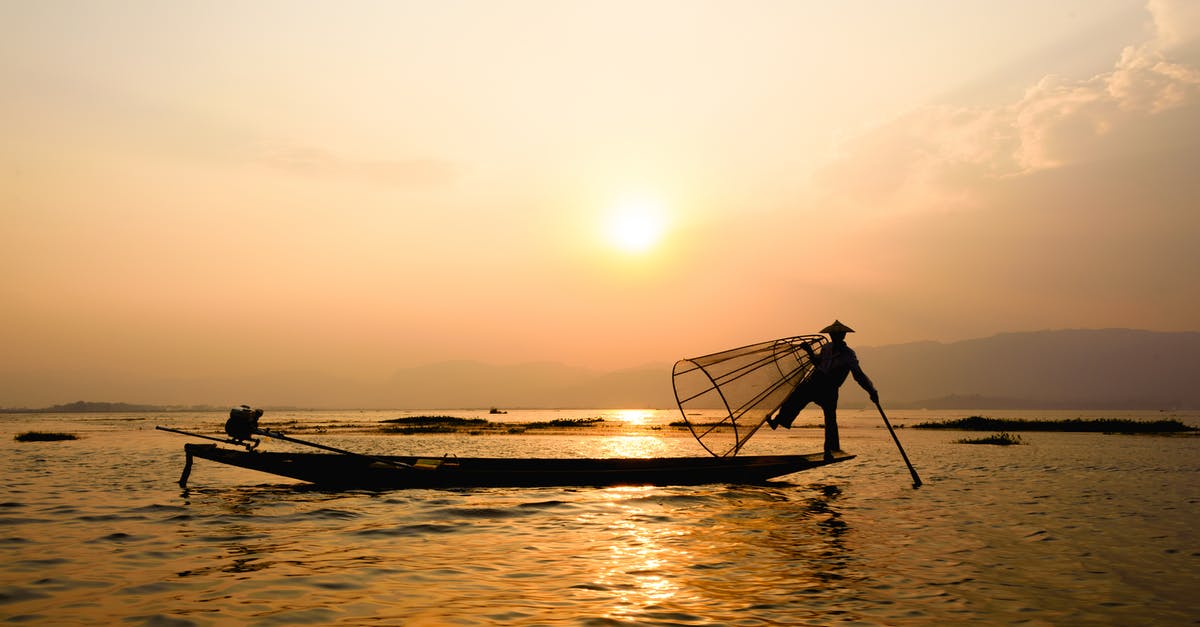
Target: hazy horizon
<point x="193" y="190"/>
<point x="1071" y="368"/>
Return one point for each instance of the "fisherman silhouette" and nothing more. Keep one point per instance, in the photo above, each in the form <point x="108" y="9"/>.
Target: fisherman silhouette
<point x="835" y="361"/>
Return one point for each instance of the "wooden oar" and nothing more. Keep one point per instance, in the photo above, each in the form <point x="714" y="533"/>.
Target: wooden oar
<point x="913" y="471"/>
<point x="285" y="438"/>
<point x="280" y="436"/>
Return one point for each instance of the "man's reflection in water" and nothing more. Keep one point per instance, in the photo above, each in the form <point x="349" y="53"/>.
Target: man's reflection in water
<point x="812" y="534"/>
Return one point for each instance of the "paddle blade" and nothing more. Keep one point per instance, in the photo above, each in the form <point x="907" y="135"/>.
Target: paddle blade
<point x="744" y="384"/>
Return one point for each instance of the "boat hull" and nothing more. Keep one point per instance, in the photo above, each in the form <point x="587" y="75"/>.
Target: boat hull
<point x="398" y="472"/>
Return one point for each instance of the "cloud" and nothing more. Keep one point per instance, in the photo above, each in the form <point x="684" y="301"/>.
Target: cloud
<point x="313" y="162"/>
<point x="1177" y="25"/>
<point x="1061" y="122"/>
<point x="1073" y="205"/>
<point x="933" y="156"/>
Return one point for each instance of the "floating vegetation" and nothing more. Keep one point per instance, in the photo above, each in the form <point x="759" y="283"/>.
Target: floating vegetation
<point x="720" y="424"/>
<point x="682" y="424"/>
<point x="477" y="426"/>
<point x="426" y="421"/>
<point x="420" y="429"/>
<point x="411" y="425"/>
<point x="559" y="423"/>
<point x="43" y="436"/>
<point x="1074" y="425"/>
<point x="998" y="439"/>
<point x="297" y="426"/>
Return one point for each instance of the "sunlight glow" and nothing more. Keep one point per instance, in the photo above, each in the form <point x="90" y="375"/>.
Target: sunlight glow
<point x="640" y="562"/>
<point x="634" y="416"/>
<point x="640" y="446"/>
<point x="637" y="225"/>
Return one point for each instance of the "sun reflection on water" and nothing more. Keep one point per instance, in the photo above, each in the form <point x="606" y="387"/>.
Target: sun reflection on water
<point x="640" y="557"/>
<point x="633" y="446"/>
<point x="636" y="417"/>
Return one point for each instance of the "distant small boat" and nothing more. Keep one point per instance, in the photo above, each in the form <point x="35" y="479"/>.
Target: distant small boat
<point x="496" y="411"/>
<point x="396" y="472"/>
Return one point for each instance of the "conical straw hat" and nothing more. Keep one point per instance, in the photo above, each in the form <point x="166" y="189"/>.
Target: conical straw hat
<point x="837" y="327"/>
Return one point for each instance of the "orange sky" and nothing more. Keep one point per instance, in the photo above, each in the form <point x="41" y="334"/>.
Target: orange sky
<point x="197" y="188"/>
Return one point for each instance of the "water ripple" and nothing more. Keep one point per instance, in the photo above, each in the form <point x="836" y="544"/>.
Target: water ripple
<point x="1068" y="530"/>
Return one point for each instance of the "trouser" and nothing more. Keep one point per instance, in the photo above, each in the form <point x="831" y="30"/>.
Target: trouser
<point x="813" y="391"/>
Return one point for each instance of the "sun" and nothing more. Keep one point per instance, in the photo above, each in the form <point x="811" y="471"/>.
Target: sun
<point x="636" y="226"/>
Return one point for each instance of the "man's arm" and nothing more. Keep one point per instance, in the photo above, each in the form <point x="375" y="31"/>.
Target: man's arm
<point x="864" y="381"/>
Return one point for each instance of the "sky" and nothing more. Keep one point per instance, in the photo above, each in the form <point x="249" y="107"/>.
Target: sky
<point x="192" y="189"/>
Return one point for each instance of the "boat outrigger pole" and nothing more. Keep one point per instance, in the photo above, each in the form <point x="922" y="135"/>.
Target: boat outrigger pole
<point x="279" y="436"/>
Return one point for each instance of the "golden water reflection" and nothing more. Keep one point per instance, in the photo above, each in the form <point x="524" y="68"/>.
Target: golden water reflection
<point x="640" y="556"/>
<point x="652" y="555"/>
<point x="633" y="446"/>
<point x="636" y="417"/>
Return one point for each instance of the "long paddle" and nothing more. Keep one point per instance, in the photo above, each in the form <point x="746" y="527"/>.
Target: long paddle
<point x="206" y="437"/>
<point x="279" y="436"/>
<point x="913" y="471"/>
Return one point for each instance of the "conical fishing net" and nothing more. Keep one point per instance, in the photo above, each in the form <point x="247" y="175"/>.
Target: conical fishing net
<point x="745" y="384"/>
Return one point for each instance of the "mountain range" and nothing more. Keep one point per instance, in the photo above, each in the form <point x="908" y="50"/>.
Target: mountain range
<point x="1077" y="369"/>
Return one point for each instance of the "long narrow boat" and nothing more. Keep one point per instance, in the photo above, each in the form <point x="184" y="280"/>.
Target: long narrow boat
<point x="395" y="472"/>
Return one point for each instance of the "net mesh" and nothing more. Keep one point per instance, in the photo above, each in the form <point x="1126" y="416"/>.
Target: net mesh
<point x="746" y="384"/>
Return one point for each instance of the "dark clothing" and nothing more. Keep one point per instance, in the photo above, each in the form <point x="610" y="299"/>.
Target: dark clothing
<point x="818" y="389"/>
<point x="835" y="362"/>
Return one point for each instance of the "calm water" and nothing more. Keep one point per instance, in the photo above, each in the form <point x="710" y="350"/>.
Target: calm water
<point x="1070" y="529"/>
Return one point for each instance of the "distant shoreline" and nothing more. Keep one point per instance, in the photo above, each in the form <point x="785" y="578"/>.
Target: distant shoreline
<point x="91" y="407"/>
<point x="1074" y="425"/>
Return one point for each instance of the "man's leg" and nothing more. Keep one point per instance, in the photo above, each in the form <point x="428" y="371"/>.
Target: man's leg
<point x="832" y="441"/>
<point x="791" y="407"/>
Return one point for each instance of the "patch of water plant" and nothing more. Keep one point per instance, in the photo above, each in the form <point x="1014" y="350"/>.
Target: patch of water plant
<point x="43" y="436"/>
<point x="998" y="439"/>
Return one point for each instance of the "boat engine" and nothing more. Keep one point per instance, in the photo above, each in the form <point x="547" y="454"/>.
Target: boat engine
<point x="243" y="422"/>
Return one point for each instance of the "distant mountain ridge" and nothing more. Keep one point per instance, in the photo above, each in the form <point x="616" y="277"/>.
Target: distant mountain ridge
<point x="1083" y="369"/>
<point x="1086" y="369"/>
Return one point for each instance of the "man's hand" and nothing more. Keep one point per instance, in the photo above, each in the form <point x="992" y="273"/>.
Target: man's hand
<point x="875" y="397"/>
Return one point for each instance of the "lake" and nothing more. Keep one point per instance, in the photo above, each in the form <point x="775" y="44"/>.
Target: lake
<point x="1070" y="528"/>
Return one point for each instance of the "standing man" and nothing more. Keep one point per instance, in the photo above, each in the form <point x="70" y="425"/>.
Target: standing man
<point x="831" y="366"/>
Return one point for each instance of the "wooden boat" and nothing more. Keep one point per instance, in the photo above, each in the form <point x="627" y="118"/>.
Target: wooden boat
<point x="339" y="468"/>
<point x="349" y="470"/>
